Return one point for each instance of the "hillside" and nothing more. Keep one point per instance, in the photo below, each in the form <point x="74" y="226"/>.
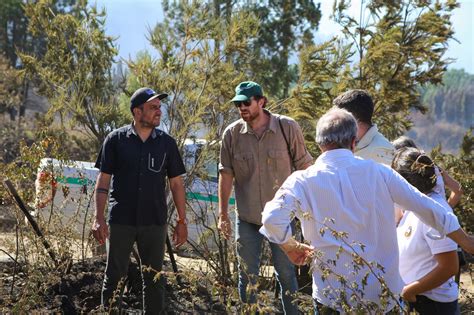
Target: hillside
<point x="450" y="112"/>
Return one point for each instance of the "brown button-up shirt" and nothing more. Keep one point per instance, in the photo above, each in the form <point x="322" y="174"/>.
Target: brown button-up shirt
<point x="260" y="165"/>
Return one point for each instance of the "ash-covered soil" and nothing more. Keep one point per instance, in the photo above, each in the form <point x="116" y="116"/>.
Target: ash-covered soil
<point x="78" y="291"/>
<point x="28" y="290"/>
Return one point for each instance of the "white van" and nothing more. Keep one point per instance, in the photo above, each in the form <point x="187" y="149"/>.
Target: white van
<point x="64" y="195"/>
<point x="201" y="196"/>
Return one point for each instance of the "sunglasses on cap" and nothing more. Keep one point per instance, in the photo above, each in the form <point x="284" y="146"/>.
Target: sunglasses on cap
<point x="240" y="103"/>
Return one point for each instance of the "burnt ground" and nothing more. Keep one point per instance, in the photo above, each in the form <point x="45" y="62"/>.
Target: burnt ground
<point x="78" y="291"/>
<point x="32" y="289"/>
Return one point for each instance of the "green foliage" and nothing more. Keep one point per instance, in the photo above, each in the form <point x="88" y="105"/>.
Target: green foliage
<point x="14" y="35"/>
<point x="15" y="38"/>
<point x="286" y="26"/>
<point x="324" y="72"/>
<point x="393" y="48"/>
<point x="75" y="73"/>
<point x="461" y="168"/>
<point x="10" y="86"/>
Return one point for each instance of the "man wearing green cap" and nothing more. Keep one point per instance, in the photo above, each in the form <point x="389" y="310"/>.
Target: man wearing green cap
<point x="258" y="152"/>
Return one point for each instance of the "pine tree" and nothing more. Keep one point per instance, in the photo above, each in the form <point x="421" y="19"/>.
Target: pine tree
<point x="75" y="73"/>
<point x="391" y="50"/>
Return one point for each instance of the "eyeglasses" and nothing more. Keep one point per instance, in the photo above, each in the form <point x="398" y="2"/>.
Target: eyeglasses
<point x="240" y="103"/>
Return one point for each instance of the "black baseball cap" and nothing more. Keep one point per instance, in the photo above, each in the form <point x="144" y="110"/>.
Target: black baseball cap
<point x="143" y="95"/>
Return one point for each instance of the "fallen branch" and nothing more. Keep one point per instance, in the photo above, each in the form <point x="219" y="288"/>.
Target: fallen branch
<point x="11" y="189"/>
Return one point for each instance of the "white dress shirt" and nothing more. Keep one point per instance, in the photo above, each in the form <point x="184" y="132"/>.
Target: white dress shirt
<point x="358" y="195"/>
<point x="439" y="188"/>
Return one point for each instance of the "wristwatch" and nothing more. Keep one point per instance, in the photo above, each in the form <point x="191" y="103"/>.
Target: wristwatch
<point x="182" y="221"/>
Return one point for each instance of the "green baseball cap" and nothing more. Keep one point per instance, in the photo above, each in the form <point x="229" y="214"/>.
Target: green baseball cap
<point x="245" y="90"/>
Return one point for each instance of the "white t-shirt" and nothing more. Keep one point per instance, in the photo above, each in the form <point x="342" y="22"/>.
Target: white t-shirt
<point x="439" y="188"/>
<point x="417" y="250"/>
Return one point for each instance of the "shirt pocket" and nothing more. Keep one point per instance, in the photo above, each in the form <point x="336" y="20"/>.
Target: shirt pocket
<point x="156" y="163"/>
<point x="278" y="160"/>
<point x="243" y="164"/>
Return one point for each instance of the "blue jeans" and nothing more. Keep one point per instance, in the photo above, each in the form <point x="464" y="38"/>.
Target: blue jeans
<point x="249" y="248"/>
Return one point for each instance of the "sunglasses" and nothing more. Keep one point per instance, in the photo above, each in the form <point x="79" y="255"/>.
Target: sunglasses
<point x="240" y="103"/>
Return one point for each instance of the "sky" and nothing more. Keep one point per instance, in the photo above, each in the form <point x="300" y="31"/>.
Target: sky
<point x="129" y="21"/>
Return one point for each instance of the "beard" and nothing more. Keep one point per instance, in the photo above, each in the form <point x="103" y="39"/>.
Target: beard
<point x="247" y="116"/>
<point x="150" y="123"/>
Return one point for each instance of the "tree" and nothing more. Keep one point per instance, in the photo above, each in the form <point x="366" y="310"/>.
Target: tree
<point x="461" y="167"/>
<point x="14" y="38"/>
<point x="451" y="106"/>
<point x="285" y="26"/>
<point x="394" y="48"/>
<point x="75" y="73"/>
<point x="10" y="86"/>
<point x="453" y="99"/>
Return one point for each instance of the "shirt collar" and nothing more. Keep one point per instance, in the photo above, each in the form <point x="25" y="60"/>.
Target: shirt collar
<point x="272" y="126"/>
<point x="367" y="138"/>
<point x="131" y="130"/>
<point x="336" y="157"/>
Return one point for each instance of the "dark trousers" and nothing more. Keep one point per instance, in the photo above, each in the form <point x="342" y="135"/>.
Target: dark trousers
<point x="320" y="309"/>
<point x="151" y="242"/>
<point x="424" y="305"/>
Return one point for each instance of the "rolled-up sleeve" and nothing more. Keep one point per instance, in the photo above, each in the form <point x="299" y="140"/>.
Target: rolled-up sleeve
<point x="225" y="157"/>
<point x="426" y="209"/>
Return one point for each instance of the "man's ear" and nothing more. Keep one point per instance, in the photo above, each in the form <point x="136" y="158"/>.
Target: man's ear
<point x="134" y="111"/>
<point x="353" y="144"/>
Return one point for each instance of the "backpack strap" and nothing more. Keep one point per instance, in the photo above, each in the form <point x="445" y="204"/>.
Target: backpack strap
<point x="287" y="144"/>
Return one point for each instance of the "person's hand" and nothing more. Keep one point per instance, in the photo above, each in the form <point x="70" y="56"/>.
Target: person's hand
<point x="407" y="294"/>
<point x="180" y="235"/>
<point x="224" y="226"/>
<point x="298" y="253"/>
<point x="100" y="230"/>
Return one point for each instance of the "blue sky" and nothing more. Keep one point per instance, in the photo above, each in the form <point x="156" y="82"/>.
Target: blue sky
<point x="129" y="20"/>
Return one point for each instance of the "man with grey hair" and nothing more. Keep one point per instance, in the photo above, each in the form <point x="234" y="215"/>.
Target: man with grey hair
<point x="344" y="193"/>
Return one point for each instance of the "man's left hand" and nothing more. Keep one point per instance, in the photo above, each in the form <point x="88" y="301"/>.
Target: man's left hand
<point x="407" y="295"/>
<point x="180" y="235"/>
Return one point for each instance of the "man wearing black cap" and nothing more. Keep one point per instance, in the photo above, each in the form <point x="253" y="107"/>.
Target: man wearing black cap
<point x="138" y="157"/>
<point x="257" y="154"/>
